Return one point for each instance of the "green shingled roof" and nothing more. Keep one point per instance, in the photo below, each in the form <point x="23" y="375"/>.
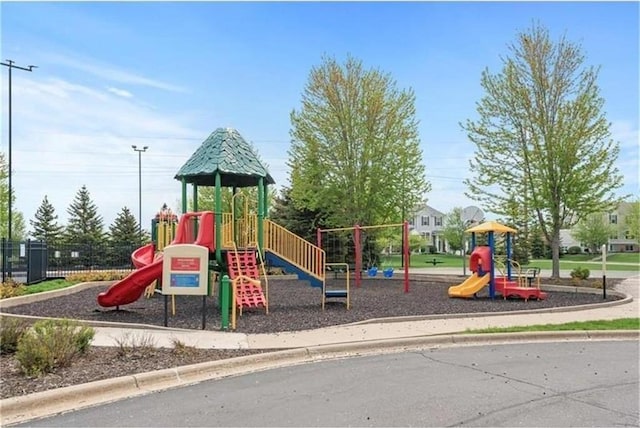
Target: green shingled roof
<point x="226" y="152"/>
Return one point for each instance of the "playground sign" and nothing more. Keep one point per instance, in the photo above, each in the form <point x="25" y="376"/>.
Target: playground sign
<point x="185" y="270"/>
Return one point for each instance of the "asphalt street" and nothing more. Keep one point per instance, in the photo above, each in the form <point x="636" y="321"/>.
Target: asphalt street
<point x="581" y="383"/>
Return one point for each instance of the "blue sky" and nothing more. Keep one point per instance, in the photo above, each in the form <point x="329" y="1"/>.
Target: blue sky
<point x="166" y="74"/>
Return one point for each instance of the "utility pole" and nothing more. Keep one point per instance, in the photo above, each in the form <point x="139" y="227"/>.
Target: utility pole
<point x="140" y="151"/>
<point x="11" y="65"/>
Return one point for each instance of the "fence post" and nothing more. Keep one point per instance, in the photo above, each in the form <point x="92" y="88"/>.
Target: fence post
<point x="29" y="260"/>
<point x="4" y="259"/>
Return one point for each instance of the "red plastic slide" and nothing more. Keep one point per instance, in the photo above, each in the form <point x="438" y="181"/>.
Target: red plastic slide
<point x="129" y="289"/>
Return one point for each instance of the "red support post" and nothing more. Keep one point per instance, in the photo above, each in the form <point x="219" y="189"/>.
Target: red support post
<point x="405" y="238"/>
<point x="358" y="249"/>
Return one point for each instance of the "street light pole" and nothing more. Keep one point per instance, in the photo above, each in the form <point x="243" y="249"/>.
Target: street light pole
<point x="9" y="63"/>
<point x="140" y="151"/>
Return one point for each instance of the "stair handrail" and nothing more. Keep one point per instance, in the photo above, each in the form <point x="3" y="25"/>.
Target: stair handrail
<point x="306" y="256"/>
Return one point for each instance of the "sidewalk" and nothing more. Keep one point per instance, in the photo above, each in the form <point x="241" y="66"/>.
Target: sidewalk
<point x="382" y="330"/>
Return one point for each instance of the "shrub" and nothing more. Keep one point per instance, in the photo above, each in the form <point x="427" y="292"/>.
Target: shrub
<point x="135" y="346"/>
<point x="11" y="331"/>
<point x="10" y="288"/>
<point x="580" y="273"/>
<point x="432" y="249"/>
<point x="574" y="250"/>
<point x="51" y="344"/>
<point x="91" y="276"/>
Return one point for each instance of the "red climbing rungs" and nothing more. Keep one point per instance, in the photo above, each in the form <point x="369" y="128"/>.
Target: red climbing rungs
<point x="243" y="262"/>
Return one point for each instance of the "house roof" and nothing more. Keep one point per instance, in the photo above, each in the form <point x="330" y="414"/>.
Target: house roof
<point x="490" y="226"/>
<point x="227" y="153"/>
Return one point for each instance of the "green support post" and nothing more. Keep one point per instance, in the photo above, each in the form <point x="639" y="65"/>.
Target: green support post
<point x="261" y="213"/>
<point x="184" y="195"/>
<point x="195" y="197"/>
<point x="225" y="285"/>
<point x="218" y="229"/>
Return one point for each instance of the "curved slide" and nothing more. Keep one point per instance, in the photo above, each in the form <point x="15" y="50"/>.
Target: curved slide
<point x="129" y="289"/>
<point x="470" y="286"/>
<point x="149" y="266"/>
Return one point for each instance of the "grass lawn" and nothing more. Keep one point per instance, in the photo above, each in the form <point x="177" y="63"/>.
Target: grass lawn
<point x="54" y="284"/>
<point x="624" y="258"/>
<point x="619" y="324"/>
<point x="567" y="262"/>
<point x="570" y="265"/>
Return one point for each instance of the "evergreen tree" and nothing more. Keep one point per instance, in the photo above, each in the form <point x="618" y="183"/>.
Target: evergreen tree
<point x="123" y="238"/>
<point x="85" y="229"/>
<point x="537" y="246"/>
<point x="124" y="229"/>
<point x="45" y="225"/>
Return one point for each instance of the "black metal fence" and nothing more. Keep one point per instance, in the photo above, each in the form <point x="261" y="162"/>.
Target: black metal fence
<point x="33" y="261"/>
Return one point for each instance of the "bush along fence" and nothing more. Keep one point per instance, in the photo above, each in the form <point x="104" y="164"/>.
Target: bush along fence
<point x="33" y="261"/>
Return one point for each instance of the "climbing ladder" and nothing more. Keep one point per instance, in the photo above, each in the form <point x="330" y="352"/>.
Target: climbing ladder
<point x="244" y="264"/>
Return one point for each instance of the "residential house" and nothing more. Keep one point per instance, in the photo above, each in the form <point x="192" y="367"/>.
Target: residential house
<point x="428" y="222"/>
<point x="620" y="242"/>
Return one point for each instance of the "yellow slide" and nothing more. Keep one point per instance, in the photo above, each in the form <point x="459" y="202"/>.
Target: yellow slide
<point x="470" y="286"/>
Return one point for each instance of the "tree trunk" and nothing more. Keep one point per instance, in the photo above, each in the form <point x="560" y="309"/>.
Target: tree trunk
<point x="555" y="254"/>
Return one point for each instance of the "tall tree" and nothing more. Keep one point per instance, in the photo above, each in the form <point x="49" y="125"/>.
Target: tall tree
<point x="124" y="229"/>
<point x="45" y="224"/>
<point x="454" y="227"/>
<point x="85" y="225"/>
<point x="124" y="238"/>
<point x="593" y="231"/>
<point x="542" y="138"/>
<point x="355" y="152"/>
<point x="18" y="229"/>
<point x="632" y="221"/>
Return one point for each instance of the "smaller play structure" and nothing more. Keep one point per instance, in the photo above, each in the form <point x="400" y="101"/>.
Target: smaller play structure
<point x="512" y="281"/>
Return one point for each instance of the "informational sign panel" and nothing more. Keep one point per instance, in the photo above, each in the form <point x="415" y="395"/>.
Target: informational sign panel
<point x="184" y="269"/>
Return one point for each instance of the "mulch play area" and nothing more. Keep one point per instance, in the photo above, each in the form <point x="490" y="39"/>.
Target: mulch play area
<point x="294" y="305"/>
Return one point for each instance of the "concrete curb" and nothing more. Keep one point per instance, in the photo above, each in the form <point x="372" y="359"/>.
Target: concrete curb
<point x="42" y="404"/>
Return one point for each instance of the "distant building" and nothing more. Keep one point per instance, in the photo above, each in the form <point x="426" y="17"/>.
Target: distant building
<point x="428" y="222"/>
<point x="620" y="242"/>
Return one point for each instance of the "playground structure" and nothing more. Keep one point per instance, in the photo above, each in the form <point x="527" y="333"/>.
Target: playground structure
<point x="239" y="242"/>
<point x="357" y="257"/>
<point x="483" y="265"/>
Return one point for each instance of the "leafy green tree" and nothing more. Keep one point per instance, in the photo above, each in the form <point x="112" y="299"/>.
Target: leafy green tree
<point x="593" y="231"/>
<point x="45" y="223"/>
<point x="454" y="227"/>
<point x="85" y="229"/>
<point x="355" y="146"/>
<point x="18" y="229"/>
<point x="542" y="138"/>
<point x="632" y="221"/>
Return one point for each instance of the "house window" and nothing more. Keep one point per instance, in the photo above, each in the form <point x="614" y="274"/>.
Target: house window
<point x="425" y="220"/>
<point x="437" y="221"/>
<point x="628" y="248"/>
<point x="613" y="218"/>
<point x="412" y="222"/>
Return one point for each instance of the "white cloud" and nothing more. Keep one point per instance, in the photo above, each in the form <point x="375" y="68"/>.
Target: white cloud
<point x="109" y="72"/>
<point x="67" y="135"/>
<point x="120" y="92"/>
